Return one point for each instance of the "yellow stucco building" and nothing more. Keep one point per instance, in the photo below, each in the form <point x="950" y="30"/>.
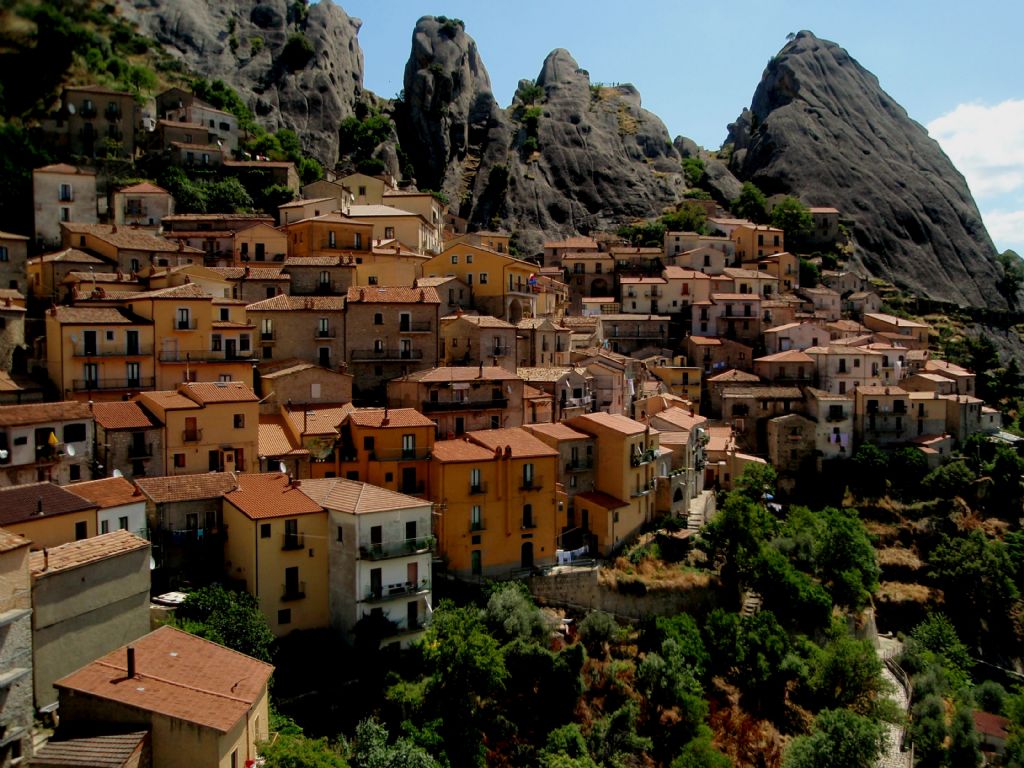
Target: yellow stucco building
<point x="501" y="284"/>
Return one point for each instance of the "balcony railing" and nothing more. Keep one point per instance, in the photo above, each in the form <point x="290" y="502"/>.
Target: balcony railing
<point x="500" y="350"/>
<point x="642" y="490"/>
<point x="80" y="350"/>
<point x="534" y="483"/>
<point x="131" y="211"/>
<point x="328" y="333"/>
<point x="400" y="454"/>
<point x="577" y="402"/>
<point x="399" y="548"/>
<point x="203" y="356"/>
<point x="413" y="489"/>
<point x="186" y="325"/>
<point x="192" y="436"/>
<point x="477" y="526"/>
<point x="140" y="382"/>
<point x="476" y="489"/>
<point x="400" y="589"/>
<point x="434" y="406"/>
<point x="387" y="354"/>
<point x="268" y="336"/>
<point x="291" y="592"/>
<point x="644" y="457"/>
<point x="418" y="327"/>
<point x="293" y="541"/>
<point x="579" y="465"/>
<point x="112" y="113"/>
<point x="144" y="451"/>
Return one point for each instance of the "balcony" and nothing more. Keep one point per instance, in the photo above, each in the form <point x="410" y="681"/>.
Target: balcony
<point x="387" y="354"/>
<point x="203" y="356"/>
<point x="413" y="489"/>
<point x="140" y="451"/>
<point x="477" y="527"/>
<point x="399" y="589"/>
<point x="642" y="490"/>
<point x="477" y="489"/>
<point x="329" y="333"/>
<point x="112" y="113"/>
<point x="186" y="325"/>
<point x="434" y="406"/>
<point x="135" y="211"/>
<point x="579" y="465"/>
<point x="290" y="592"/>
<point x="399" y="548"/>
<point x="836" y="417"/>
<point x="192" y="436"/>
<point x="88" y="111"/>
<point x="418" y="327"/>
<point x="268" y="337"/>
<point x="499" y="350"/>
<point x="80" y="350"/>
<point x="400" y="454"/>
<point x="87" y="385"/>
<point x="293" y="541"/>
<point x="532" y="484"/>
<point x="641" y="458"/>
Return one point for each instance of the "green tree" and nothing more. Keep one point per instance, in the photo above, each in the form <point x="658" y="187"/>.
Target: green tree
<point x="762" y="646"/>
<point x="928" y="730"/>
<point x="1009" y="282"/>
<point x="935" y="644"/>
<point x="952" y="479"/>
<point x="846" y="560"/>
<point x="793" y="218"/>
<point x="370" y="748"/>
<point x="512" y="614"/>
<point x="597" y="630"/>
<point x="228" y="195"/>
<point x="839" y="738"/>
<point x="908" y="467"/>
<point x="810" y="275"/>
<point x="688" y="217"/>
<point x="847" y="674"/>
<point x="693" y="170"/>
<point x="682" y="630"/>
<point x="297" y="52"/>
<point x="963" y="740"/>
<point x="751" y="204"/>
<point x="701" y="753"/>
<point x="870" y="467"/>
<point x="298" y="751"/>
<point x="757" y="481"/>
<point x="647" y="234"/>
<point x="231" y="618"/>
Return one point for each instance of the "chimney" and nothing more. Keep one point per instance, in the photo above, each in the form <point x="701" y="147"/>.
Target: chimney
<point x="46" y="559"/>
<point x="39" y="505"/>
<point x="113" y="229"/>
<point x="131" y="662"/>
<point x="481" y="371"/>
<point x="508" y="451"/>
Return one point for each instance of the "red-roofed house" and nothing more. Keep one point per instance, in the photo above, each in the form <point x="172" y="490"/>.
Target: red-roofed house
<point x="142" y="205"/>
<point x="128" y="439"/>
<point x="202" y="703"/>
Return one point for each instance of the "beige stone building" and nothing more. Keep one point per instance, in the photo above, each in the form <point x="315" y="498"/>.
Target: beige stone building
<point x="16" y="669"/>
<point x="95" y="591"/>
<point x="322" y="275"/>
<point x="142" y="205"/>
<point x="478" y="339"/>
<point x="14" y="262"/>
<point x="462" y="399"/>
<point x="311" y="328"/>
<point x="541" y="341"/>
<point x="62" y="193"/>
<point x="34" y="442"/>
<point x="95" y="121"/>
<point x="128" y="439"/>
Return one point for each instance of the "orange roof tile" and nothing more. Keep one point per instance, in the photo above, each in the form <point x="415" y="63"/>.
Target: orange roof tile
<point x="559" y="431"/>
<point x="209" y="485"/>
<point x="458" y="450"/>
<point x="681" y="418"/>
<point x="145" y="188"/>
<point x="262" y="496"/>
<point x="78" y="553"/>
<point x="177" y="675"/>
<point x="522" y="443"/>
<point x="395" y="417"/>
<point x="96" y="316"/>
<point x="206" y="392"/>
<point x="601" y="499"/>
<point x="462" y="373"/>
<point x="108" y="492"/>
<point x="788" y="356"/>
<point x="283" y="303"/>
<point x="734" y="375"/>
<point x="106" y="751"/>
<point x="613" y="421"/>
<point x="275" y="441"/>
<point x="392" y="295"/>
<point x="34" y="501"/>
<point x="322" y="420"/>
<point x="10" y="541"/>
<point x="126" y="237"/>
<point x="357" y="498"/>
<point x="41" y="413"/>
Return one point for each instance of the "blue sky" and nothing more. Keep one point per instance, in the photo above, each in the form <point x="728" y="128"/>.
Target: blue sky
<point x="954" y="66"/>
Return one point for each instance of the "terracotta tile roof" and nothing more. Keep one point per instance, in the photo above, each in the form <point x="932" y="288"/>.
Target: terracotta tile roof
<point x="166" y="399"/>
<point x="679" y="273"/>
<point x="186" y="291"/>
<point x="899" y="322"/>
<point x="108" y="492"/>
<point x="433" y="282"/>
<point x="735" y="375"/>
<point x="10" y="541"/>
<point x="458" y="450"/>
<point x="275" y="441"/>
<point x="227" y="325"/>
<point x="96" y="316"/>
<point x="177" y="675"/>
<point x="145" y="188"/>
<point x="71" y="255"/>
<point x="206" y="392"/>
<point x="283" y="303"/>
<point x="270" y="369"/>
<point x="572" y="242"/>
<point x="42" y="413"/>
<point x="735" y="297"/>
<point x="603" y="500"/>
<point x="262" y="496"/>
<point x="64" y="168"/>
<point x="482" y="321"/>
<point x="845" y="325"/>
<point x="613" y="421"/>
<point x="21" y="503"/>
<point x="357" y="498"/>
<point x="126" y="237"/>
<point x="764" y="393"/>
<point x="312" y="261"/>
<point x="522" y="443"/>
<point x="542" y="374"/>
<point x="678" y="417"/>
<point x="559" y="431"/>
<point x="107" y="751"/>
<point x="210" y="485"/>
<point x="11" y="236"/>
<point x="310" y="201"/>
<point x="945" y="368"/>
<point x="642" y="281"/>
<point x="392" y="295"/>
<point x="177" y="217"/>
<point x="789" y="356"/>
<point x="78" y="553"/>
<point x="532" y="393"/>
<point x="321" y="420"/>
<point x="990" y="725"/>
<point x="461" y="373"/>
<point x="396" y="418"/>
<point x="99" y="277"/>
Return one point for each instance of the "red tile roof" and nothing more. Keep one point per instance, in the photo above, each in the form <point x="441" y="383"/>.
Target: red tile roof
<point x="262" y="496"/>
<point x="177" y="675"/>
<point x="145" y="188"/>
<point x="601" y="499"/>
<point x="461" y="373"/>
<point x="78" y="553"/>
<point x="395" y="418"/>
<point x="10" y="541"/>
<point x="42" y="413"/>
<point x="275" y="441"/>
<point x="107" y="751"/>
<point x="357" y="498"/>
<point x="206" y="392"/>
<point x="392" y="295"/>
<point x="521" y="443"/>
<point x="613" y="421"/>
<point x="210" y="485"/>
<point x="283" y="303"/>
<point x="96" y="316"/>
<point x="460" y="449"/>
<point x="107" y="492"/>
<point x="126" y="237"/>
<point x="35" y="501"/>
<point x="559" y="431"/>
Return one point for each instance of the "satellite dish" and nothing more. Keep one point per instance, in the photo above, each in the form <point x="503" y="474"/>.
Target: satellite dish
<point x="3" y="454"/>
<point x="152" y="563"/>
<point x="72" y="109"/>
<point x="70" y="450"/>
<point x="282" y="468"/>
<point x="118" y="473"/>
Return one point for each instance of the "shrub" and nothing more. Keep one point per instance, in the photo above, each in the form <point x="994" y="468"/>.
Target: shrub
<point x="597" y="630"/>
<point x="296" y="52"/>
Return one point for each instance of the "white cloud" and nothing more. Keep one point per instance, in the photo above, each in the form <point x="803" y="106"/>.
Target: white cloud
<point x="1006" y="229"/>
<point x="986" y="144"/>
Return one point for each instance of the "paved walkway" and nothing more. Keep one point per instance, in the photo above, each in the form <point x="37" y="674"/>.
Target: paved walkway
<point x="893" y="757"/>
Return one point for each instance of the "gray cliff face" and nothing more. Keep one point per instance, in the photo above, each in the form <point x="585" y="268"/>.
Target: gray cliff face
<point x="603" y="160"/>
<point x="449" y="119"/>
<point x="822" y="128"/>
<point x="241" y="43"/>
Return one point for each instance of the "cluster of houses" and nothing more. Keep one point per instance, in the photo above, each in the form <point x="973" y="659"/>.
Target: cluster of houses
<point x="331" y="406"/>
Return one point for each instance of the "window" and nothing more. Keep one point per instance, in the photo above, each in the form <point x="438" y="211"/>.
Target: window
<point x="483" y="278"/>
<point x="65" y="194"/>
<point x="215" y="342"/>
<point x="474" y="480"/>
<point x="104" y="526"/>
<point x="75" y="472"/>
<point x="81" y="530"/>
<point x="322" y="327"/>
<point x="455" y="258"/>
<point x="184" y="319"/>
<point x="179" y="461"/>
<point x="243" y="342"/>
<point x="132" y="375"/>
<point x="527" y="475"/>
<point x="362" y="191"/>
<point x="357" y="240"/>
<point x="265" y="530"/>
<point x="389" y="232"/>
<point x="225" y="314"/>
<point x="284" y="616"/>
<point x="368" y="443"/>
<point x="476" y="562"/>
<point x="340" y="535"/>
<point x="267" y="329"/>
<point x="3" y="253"/>
<point x="234" y="758"/>
<point x="371" y="280"/>
<point x="408" y="446"/>
<point x="378" y="318"/>
<point x="475" y="519"/>
<point x="469" y="258"/>
<point x="74" y="433"/>
<point x="331" y="240"/>
<point x="239" y="421"/>
<point x="527" y="516"/>
<point x="325" y="278"/>
<point x="495" y="422"/>
<point x="224" y="377"/>
<point x="122" y="523"/>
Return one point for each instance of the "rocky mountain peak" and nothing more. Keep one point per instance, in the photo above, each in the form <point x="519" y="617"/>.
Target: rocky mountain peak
<point x="821" y="127"/>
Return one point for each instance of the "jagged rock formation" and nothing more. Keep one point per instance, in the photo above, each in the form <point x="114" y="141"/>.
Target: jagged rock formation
<point x="242" y="43"/>
<point x="718" y="179"/>
<point x="822" y="128"/>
